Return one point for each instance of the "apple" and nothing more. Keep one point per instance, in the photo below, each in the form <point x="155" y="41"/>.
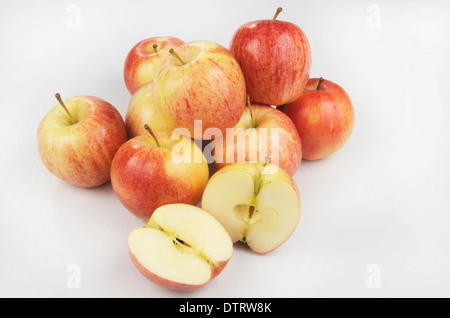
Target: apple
<point x="257" y="203"/>
<point x="142" y="110"/>
<point x="275" y="58"/>
<point x="144" y="59"/>
<point x="78" y="138"/>
<point x="182" y="247"/>
<point x="152" y="170"/>
<point x="262" y="131"/>
<point x="200" y="80"/>
<point x="324" y="118"/>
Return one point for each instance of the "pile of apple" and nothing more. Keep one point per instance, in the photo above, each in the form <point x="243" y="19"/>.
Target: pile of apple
<point x="200" y="89"/>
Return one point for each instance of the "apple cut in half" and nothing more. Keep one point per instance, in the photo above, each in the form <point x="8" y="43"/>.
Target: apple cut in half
<point x="257" y="203"/>
<point x="182" y="247"/>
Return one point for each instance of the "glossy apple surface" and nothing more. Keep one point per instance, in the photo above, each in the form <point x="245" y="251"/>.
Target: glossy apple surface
<point x="146" y="176"/>
<point x="275" y="58"/>
<point x="209" y="86"/>
<point x="80" y="151"/>
<point x="143" y="60"/>
<point x="142" y="110"/>
<point x="262" y="131"/>
<point x="324" y="118"/>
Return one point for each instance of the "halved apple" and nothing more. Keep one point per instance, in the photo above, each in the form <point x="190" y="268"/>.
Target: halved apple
<point x="257" y="203"/>
<point x="182" y="247"/>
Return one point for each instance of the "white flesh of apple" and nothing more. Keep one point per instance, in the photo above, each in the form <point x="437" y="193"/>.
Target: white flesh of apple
<point x="181" y="243"/>
<point x="263" y="220"/>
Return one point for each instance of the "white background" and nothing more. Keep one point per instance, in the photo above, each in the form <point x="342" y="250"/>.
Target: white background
<point x="377" y="209"/>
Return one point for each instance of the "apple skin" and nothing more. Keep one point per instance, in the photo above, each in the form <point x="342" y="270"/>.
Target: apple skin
<point x="142" y="62"/>
<point x="289" y="143"/>
<point x="209" y="87"/>
<point x="145" y="177"/>
<point x="275" y="58"/>
<point x="142" y="110"/>
<point x="324" y="118"/>
<point x="81" y="153"/>
<point x="160" y="280"/>
<point x="172" y="284"/>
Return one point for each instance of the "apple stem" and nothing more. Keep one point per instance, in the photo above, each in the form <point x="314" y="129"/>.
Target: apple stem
<point x="261" y="171"/>
<point x="320" y="82"/>
<point x="250" y="109"/>
<point x="147" y="127"/>
<point x="172" y="51"/>
<point x="155" y="47"/>
<point x="60" y="101"/>
<point x="277" y="13"/>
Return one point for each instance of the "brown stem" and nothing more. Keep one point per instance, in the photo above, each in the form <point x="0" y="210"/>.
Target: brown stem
<point x="261" y="171"/>
<point x="60" y="101"/>
<point x="250" y="109"/>
<point x="277" y="13"/>
<point x="147" y="127"/>
<point x="155" y="47"/>
<point x="320" y="82"/>
<point x="172" y="51"/>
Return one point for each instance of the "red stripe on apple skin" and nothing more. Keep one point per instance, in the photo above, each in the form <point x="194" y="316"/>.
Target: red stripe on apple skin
<point x="265" y="117"/>
<point x="275" y="58"/>
<point x="211" y="88"/>
<point x="140" y="177"/>
<point x="142" y="59"/>
<point x="81" y="154"/>
<point x="144" y="177"/>
<point x="216" y="64"/>
<point x="99" y="150"/>
<point x="188" y="106"/>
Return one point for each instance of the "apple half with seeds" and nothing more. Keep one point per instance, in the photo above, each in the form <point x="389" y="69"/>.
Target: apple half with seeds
<point x="257" y="203"/>
<point x="182" y="247"/>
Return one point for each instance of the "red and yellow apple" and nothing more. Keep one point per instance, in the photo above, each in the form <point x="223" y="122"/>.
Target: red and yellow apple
<point x="152" y="170"/>
<point x="201" y="80"/>
<point x="144" y="59"/>
<point x="257" y="203"/>
<point x="262" y="131"/>
<point x="142" y="110"/>
<point x="182" y="247"/>
<point x="324" y="118"/>
<point x="78" y="138"/>
<point x="275" y="58"/>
